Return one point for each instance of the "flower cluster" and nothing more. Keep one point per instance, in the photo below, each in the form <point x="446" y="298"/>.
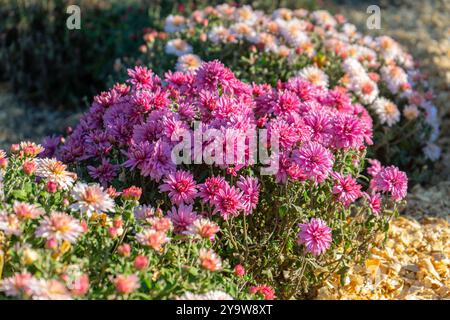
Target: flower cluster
<point x="323" y="49"/>
<point x="76" y="240"/>
<point x="265" y="165"/>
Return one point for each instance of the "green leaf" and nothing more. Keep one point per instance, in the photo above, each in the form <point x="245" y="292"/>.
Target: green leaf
<point x="19" y="194"/>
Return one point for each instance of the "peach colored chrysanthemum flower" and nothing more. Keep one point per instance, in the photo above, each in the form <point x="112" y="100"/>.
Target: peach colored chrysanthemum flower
<point x="126" y="284"/>
<point x="9" y="224"/>
<point x="209" y="260"/>
<point x="30" y="149"/>
<point x="59" y="226"/>
<point x="49" y="290"/>
<point x="27" y="211"/>
<point x="152" y="238"/>
<point x="203" y="228"/>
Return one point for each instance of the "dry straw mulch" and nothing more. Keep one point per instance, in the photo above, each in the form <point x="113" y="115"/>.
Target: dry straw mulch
<point x="414" y="263"/>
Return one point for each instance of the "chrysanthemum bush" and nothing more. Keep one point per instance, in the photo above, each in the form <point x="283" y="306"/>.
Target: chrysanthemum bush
<point x="279" y="170"/>
<point x="61" y="238"/>
<point x="322" y="48"/>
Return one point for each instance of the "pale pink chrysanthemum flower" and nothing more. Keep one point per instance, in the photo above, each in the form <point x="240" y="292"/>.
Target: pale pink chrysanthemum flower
<point x="144" y="212"/>
<point x="210" y="295"/>
<point x="315" y="160"/>
<point x="209" y="260"/>
<point x="181" y="187"/>
<point x="54" y="170"/>
<point x="16" y="285"/>
<point x="392" y="180"/>
<point x="91" y="198"/>
<point x="175" y="23"/>
<point x="188" y="62"/>
<point x="345" y="188"/>
<point x="182" y="217"/>
<point x="314" y="75"/>
<point x="250" y="193"/>
<point x="152" y="238"/>
<point x="59" y="226"/>
<point x="209" y="189"/>
<point x="203" y="228"/>
<point x="27" y="211"/>
<point x="49" y="290"/>
<point x="387" y="111"/>
<point x="315" y="235"/>
<point x="9" y="224"/>
<point x="126" y="284"/>
<point x="227" y="201"/>
<point x="178" y="47"/>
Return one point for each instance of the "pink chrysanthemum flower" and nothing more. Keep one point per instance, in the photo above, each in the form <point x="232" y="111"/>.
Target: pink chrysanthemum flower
<point x="181" y="187"/>
<point x="315" y="235"/>
<point x="27" y="211"/>
<point x="227" y="201"/>
<point x="287" y="103"/>
<point x="321" y="128"/>
<point x="143" y="78"/>
<point x="250" y="193"/>
<point x="59" y="226"/>
<point x="209" y="189"/>
<point x="182" y="217"/>
<point x="374" y="201"/>
<point x="392" y="180"/>
<point x="348" y="132"/>
<point x="267" y="292"/>
<point x="211" y="74"/>
<point x="315" y="160"/>
<point x="375" y="167"/>
<point x="285" y="132"/>
<point x="126" y="284"/>
<point x="132" y="193"/>
<point x="346" y="188"/>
